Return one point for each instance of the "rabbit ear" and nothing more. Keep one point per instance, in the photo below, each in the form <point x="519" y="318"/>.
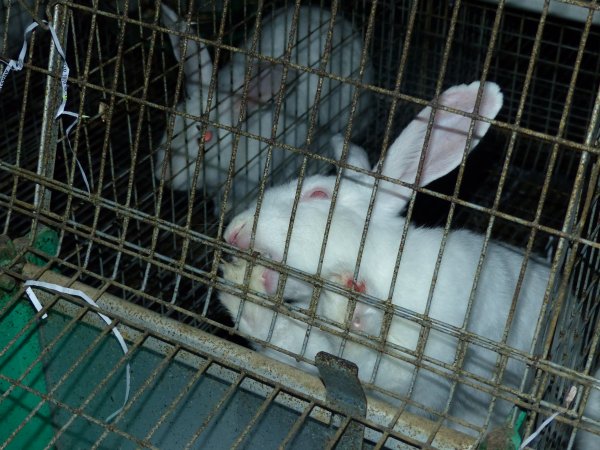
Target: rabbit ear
<point x="357" y="156"/>
<point x="171" y="20"/>
<point x="197" y="66"/>
<point x="447" y="140"/>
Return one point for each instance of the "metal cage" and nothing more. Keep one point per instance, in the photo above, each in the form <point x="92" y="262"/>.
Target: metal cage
<point x="90" y="201"/>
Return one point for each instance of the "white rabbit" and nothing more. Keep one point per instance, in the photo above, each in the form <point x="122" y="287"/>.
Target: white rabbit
<point x="216" y="146"/>
<point x="448" y="303"/>
<point x="585" y="440"/>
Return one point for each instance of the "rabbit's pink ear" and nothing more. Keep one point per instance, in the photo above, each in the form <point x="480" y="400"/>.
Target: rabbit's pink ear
<point x="447" y="141"/>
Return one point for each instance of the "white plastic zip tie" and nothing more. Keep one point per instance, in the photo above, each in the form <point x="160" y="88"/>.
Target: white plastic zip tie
<point x="86" y="298"/>
<point x="18" y="65"/>
<point x="570" y="397"/>
<point x="36" y="303"/>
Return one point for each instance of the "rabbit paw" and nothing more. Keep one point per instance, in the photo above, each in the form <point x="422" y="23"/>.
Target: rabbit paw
<point x="360" y="317"/>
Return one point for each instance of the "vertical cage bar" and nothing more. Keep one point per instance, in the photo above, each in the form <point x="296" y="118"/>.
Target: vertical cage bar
<point x="53" y="96"/>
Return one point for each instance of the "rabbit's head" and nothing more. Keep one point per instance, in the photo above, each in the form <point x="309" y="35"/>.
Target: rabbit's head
<point x="263" y="323"/>
<point x="300" y="242"/>
<point x="209" y="137"/>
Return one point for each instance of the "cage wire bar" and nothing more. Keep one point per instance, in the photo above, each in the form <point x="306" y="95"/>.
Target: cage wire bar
<point x="150" y="255"/>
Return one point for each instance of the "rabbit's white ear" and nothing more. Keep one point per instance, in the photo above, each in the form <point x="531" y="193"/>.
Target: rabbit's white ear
<point x="447" y="141"/>
<point x="171" y="20"/>
<point x="321" y="188"/>
<point x="197" y="63"/>
<point x="357" y="156"/>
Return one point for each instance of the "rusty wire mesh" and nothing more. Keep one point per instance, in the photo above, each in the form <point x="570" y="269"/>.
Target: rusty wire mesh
<point x="532" y="183"/>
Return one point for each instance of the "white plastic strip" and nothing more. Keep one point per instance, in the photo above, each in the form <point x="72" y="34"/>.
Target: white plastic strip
<point x="570" y="397"/>
<point x="18" y="65"/>
<point x="86" y="298"/>
<point x="35" y="301"/>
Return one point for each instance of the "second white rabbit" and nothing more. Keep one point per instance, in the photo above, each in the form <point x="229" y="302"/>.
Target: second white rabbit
<point x="176" y="160"/>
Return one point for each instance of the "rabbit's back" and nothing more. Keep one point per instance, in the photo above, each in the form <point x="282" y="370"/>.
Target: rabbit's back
<point x="494" y="285"/>
<point x="488" y="313"/>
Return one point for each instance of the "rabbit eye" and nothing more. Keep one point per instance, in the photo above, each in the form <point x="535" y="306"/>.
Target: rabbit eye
<point x="206" y="137"/>
<point x="262" y="253"/>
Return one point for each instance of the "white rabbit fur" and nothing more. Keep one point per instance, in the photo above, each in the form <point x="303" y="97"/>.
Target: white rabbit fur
<point x="288" y="333"/>
<point x="333" y="113"/>
<point x="255" y="320"/>
<point x="496" y="285"/>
